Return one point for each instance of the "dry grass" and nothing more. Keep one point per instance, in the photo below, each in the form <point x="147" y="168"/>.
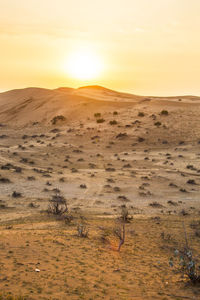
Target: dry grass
<point x="75" y="268"/>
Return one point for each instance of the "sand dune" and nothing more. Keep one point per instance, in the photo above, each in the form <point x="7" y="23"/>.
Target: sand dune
<point x="28" y="105"/>
<point x="102" y="151"/>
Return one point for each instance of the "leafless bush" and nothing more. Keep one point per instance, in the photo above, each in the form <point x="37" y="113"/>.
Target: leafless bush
<point x="97" y="115"/>
<point x="82" y="231"/>
<point x="164" y="112"/>
<point x="57" y="205"/>
<point x="113" y="122"/>
<point x="16" y="194"/>
<point x="125" y="216"/>
<point x="120" y="233"/>
<point x="100" y="120"/>
<point x="188" y="264"/>
<point x="57" y="118"/>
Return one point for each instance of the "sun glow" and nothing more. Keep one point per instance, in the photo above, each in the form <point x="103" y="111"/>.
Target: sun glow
<point x="84" y="65"/>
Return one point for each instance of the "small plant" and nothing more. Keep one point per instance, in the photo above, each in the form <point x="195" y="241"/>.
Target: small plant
<point x="4" y="180"/>
<point x="140" y="114"/>
<point x="115" y="113"/>
<point x="191" y="181"/>
<point x="140" y="139"/>
<point x="157" y="124"/>
<point x="57" y="205"/>
<point x="16" y="194"/>
<point x="125" y="216"/>
<point x="100" y="120"/>
<point x="97" y="115"/>
<point x="113" y="122"/>
<point x="187" y="262"/>
<point x="82" y="231"/>
<point x="121" y="135"/>
<point x="57" y="118"/>
<point x="164" y="112"/>
<point x="120" y="233"/>
<point x="155" y="204"/>
<point x="83" y="186"/>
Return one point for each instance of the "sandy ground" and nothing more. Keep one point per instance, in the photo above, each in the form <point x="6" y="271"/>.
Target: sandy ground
<point x="148" y="160"/>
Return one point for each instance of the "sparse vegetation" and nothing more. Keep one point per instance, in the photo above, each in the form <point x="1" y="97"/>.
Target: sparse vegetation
<point x="82" y="231"/>
<point x="16" y="194"/>
<point x="97" y="115"/>
<point x="157" y="124"/>
<point x="189" y="266"/>
<point x="100" y="120"/>
<point x="164" y="112"/>
<point x="56" y="119"/>
<point x="120" y="232"/>
<point x="113" y="122"/>
<point x="57" y="205"/>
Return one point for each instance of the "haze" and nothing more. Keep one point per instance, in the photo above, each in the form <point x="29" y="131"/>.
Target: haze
<point x="147" y="47"/>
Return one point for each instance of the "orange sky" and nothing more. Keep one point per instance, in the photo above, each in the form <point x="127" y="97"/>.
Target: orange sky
<point x="149" y="47"/>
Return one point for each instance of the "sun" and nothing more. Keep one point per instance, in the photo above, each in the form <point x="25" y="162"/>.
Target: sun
<point x="84" y="65"/>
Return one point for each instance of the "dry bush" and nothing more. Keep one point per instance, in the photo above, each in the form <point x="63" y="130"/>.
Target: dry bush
<point x="113" y="122"/>
<point x="57" y="118"/>
<point x="57" y="205"/>
<point x="82" y="231"/>
<point x="155" y="204"/>
<point x="164" y="112"/>
<point x="187" y="264"/>
<point x="100" y="120"/>
<point x="97" y="115"/>
<point x="140" y="114"/>
<point x="157" y="124"/>
<point x="120" y="232"/>
<point x="16" y="194"/>
<point x="125" y="215"/>
<point x="4" y="180"/>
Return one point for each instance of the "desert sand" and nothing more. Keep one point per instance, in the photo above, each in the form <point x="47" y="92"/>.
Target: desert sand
<point x="101" y="150"/>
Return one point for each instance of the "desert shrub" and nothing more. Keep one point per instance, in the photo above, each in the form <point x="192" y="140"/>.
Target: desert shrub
<point x="117" y="189"/>
<point x="157" y="124"/>
<point x="57" y="118"/>
<point x="100" y="120"/>
<point x="187" y="264"/>
<point x="119" y="232"/>
<point x="140" y="114"/>
<point x="191" y="181"/>
<point x="4" y="180"/>
<point x="155" y="204"/>
<point x="18" y="169"/>
<point x="110" y="169"/>
<point x="115" y="113"/>
<point x="121" y="135"/>
<point x="57" y="205"/>
<point x="140" y="139"/>
<point x="113" y="122"/>
<point x="97" y="115"/>
<point x="164" y="112"/>
<point x="68" y="218"/>
<point x="82" y="231"/>
<point x="105" y="235"/>
<point x="31" y="178"/>
<point x="10" y="297"/>
<point x="83" y="186"/>
<point x="16" y="194"/>
<point x="125" y="216"/>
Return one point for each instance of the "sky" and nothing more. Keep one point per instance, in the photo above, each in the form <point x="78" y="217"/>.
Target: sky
<point x="146" y="47"/>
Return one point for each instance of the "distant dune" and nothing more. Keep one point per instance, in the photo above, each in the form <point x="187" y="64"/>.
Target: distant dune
<point x="23" y="106"/>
